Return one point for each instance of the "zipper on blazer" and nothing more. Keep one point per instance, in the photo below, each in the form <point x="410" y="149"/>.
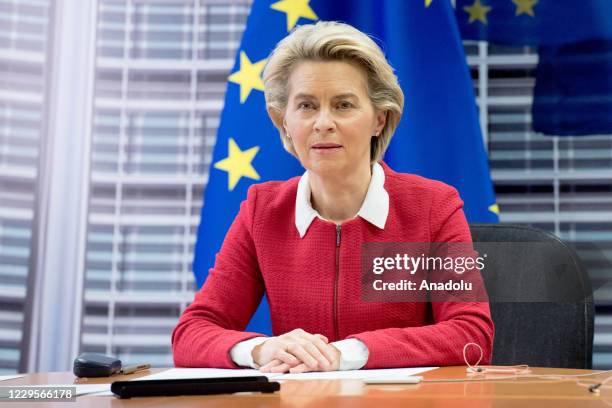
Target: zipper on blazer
<point x="337" y="275"/>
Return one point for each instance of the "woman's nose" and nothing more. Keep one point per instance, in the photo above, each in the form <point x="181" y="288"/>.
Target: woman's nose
<point x="324" y="121"/>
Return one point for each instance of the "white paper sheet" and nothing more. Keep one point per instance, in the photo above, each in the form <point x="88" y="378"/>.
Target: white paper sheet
<point x="356" y="374"/>
<point x="103" y="390"/>
<point x="10" y="377"/>
<point x="186" y="373"/>
<point x="83" y="389"/>
<point x="108" y="393"/>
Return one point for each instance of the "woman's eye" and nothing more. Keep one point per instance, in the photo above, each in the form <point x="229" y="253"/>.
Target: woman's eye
<point x="305" y="106"/>
<point x="345" y="105"/>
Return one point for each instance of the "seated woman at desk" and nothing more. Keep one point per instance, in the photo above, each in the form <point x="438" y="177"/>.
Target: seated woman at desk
<point x="336" y="102"/>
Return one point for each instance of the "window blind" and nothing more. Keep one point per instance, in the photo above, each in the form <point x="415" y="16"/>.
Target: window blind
<point x="160" y="84"/>
<point x="23" y="70"/>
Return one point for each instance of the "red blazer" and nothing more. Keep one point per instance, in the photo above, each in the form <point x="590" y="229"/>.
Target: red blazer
<point x="307" y="289"/>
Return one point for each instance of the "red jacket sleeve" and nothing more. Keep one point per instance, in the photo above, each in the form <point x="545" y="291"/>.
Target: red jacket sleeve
<point x="221" y="310"/>
<point x="455" y="323"/>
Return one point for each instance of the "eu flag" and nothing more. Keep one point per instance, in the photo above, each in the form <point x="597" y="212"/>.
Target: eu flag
<point x="439" y="135"/>
<point x="573" y="90"/>
<point x="534" y="22"/>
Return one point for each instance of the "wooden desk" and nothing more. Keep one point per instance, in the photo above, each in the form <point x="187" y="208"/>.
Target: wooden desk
<point x="350" y="393"/>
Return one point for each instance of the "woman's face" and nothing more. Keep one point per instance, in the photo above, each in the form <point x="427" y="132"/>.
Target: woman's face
<point x="330" y="117"/>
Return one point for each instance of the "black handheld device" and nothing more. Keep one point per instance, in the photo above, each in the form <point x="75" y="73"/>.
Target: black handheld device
<point x="194" y="386"/>
<point x="96" y="365"/>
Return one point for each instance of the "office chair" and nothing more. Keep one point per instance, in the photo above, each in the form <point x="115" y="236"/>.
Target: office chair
<point x="540" y="297"/>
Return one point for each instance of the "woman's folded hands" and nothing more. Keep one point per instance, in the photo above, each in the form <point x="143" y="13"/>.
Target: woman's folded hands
<point x="296" y="351"/>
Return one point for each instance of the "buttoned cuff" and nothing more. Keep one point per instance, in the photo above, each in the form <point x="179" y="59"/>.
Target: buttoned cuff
<point x="242" y="353"/>
<point x="353" y="354"/>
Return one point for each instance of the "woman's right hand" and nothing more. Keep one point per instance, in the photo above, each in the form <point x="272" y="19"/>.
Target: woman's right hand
<point x="294" y="348"/>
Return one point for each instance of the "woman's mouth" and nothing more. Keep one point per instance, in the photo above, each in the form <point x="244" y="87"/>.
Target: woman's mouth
<point x="326" y="147"/>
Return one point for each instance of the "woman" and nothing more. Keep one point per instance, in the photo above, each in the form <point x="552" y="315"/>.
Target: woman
<point x="336" y="103"/>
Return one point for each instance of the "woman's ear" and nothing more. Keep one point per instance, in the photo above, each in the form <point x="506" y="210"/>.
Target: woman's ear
<point x="381" y="121"/>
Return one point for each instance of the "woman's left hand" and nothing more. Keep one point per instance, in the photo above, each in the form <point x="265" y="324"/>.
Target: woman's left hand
<point x="277" y="366"/>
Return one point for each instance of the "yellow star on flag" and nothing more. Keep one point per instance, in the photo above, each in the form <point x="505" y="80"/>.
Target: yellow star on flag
<point x="294" y="10"/>
<point x="525" y="7"/>
<point x="428" y="3"/>
<point x="238" y="164"/>
<point x="477" y="12"/>
<point x="494" y="208"/>
<point x="249" y="76"/>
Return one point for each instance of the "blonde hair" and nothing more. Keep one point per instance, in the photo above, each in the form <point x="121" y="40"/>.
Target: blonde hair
<point x="333" y="41"/>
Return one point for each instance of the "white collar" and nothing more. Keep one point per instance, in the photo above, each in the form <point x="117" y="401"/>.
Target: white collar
<point x="375" y="207"/>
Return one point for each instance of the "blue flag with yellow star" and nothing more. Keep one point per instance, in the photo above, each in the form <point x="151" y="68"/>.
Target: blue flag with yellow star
<point x="534" y="22"/>
<point x="573" y="89"/>
<point x="439" y="136"/>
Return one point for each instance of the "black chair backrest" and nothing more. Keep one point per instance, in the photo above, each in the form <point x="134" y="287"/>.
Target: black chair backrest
<point x="556" y="333"/>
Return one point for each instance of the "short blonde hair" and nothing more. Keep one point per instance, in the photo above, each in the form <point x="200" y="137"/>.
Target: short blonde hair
<point x="333" y="41"/>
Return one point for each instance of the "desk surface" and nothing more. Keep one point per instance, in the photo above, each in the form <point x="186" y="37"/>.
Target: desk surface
<point x="351" y="393"/>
